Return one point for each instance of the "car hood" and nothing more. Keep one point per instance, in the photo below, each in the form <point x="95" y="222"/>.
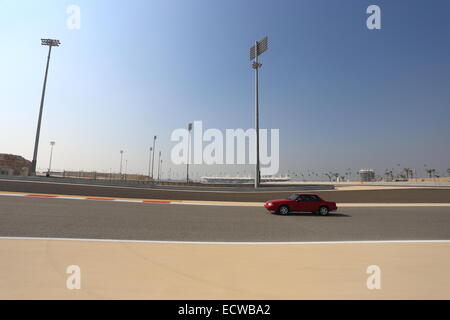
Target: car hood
<point x="277" y="201"/>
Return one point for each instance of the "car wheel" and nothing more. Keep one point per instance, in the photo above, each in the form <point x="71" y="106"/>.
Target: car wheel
<point x="323" y="211"/>
<point x="283" y="210"/>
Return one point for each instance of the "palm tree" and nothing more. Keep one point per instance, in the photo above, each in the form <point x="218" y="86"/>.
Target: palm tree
<point x="389" y="175"/>
<point x="349" y="173"/>
<point x="408" y="173"/>
<point x="431" y="172"/>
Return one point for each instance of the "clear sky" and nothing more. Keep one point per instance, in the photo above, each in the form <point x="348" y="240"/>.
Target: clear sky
<point x="343" y="96"/>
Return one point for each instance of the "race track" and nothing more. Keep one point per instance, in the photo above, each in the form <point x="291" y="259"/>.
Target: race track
<point x="60" y="218"/>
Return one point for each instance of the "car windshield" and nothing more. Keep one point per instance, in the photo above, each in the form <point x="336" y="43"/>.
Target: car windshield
<point x="293" y="197"/>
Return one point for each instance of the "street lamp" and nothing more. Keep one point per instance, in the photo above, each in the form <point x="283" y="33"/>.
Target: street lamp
<point x="121" y="159"/>
<point x="188" y="153"/>
<point x="150" y="162"/>
<point x="52" y="143"/>
<point x="153" y="154"/>
<point x="255" y="51"/>
<point x="50" y="43"/>
<point x="159" y="166"/>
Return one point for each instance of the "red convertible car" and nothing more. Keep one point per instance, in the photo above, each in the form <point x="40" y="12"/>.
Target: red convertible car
<point x="301" y="202"/>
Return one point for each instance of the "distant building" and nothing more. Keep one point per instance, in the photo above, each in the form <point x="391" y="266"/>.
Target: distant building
<point x="367" y="175"/>
<point x="12" y="165"/>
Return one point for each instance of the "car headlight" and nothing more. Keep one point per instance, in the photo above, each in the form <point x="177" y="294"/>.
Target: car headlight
<point x="270" y="204"/>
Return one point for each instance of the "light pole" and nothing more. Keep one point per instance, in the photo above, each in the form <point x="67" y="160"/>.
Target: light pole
<point x="153" y="153"/>
<point x="52" y="143"/>
<point x="159" y="166"/>
<point x="50" y="43"/>
<point x="150" y="162"/>
<point x="255" y="51"/>
<point x="121" y="160"/>
<point x="188" y="153"/>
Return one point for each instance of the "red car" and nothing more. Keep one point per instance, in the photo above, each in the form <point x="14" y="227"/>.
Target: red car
<point x="301" y="202"/>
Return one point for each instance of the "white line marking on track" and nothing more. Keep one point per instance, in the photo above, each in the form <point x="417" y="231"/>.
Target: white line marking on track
<point x="221" y="204"/>
<point x="228" y="243"/>
<point x="13" y="195"/>
<point x="133" y="201"/>
<point x="62" y="197"/>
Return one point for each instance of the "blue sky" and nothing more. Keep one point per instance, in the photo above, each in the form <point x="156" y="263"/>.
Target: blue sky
<point x="342" y="96"/>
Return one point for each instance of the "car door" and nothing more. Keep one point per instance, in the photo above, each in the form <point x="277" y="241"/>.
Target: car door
<point x="314" y="203"/>
<point x="301" y="204"/>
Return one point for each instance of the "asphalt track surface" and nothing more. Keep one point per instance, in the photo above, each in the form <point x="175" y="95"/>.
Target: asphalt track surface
<point x="60" y="218"/>
<point x="409" y="195"/>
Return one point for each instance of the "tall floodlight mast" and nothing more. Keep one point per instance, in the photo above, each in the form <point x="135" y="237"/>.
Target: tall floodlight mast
<point x="50" y="43"/>
<point x="255" y="51"/>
